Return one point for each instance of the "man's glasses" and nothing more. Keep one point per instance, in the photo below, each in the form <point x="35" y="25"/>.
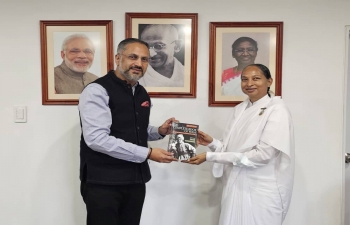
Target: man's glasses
<point x="242" y="50"/>
<point x="134" y="57"/>
<point x="159" y="46"/>
<point x="76" y="51"/>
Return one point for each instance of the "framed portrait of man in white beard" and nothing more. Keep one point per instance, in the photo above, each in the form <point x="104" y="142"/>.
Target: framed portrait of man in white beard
<point x="74" y="54"/>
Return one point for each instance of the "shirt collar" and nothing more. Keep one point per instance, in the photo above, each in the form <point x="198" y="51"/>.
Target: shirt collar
<point x="260" y="100"/>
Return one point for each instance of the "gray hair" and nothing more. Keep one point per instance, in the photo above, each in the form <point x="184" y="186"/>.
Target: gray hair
<point x="76" y="36"/>
<point x="122" y="45"/>
<point x="180" y="135"/>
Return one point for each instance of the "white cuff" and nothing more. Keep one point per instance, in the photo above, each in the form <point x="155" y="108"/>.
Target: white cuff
<point x="214" y="145"/>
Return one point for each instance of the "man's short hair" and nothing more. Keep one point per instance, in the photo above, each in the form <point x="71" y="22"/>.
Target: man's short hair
<point x="76" y="36"/>
<point x="178" y="135"/>
<point x="122" y="45"/>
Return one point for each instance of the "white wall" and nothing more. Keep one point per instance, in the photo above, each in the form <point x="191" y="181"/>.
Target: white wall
<point x="39" y="160"/>
<point x="346" y="141"/>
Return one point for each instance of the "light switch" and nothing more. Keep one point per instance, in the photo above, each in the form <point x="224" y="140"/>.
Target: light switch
<point x="20" y="113"/>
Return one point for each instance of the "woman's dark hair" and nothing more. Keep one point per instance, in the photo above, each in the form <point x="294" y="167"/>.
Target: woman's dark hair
<point x="264" y="70"/>
<point x="243" y="39"/>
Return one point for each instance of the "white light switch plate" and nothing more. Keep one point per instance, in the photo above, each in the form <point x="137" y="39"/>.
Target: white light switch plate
<point x="20" y="113"/>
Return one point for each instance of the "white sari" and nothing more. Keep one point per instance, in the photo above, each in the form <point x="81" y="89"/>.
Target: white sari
<point x="256" y="194"/>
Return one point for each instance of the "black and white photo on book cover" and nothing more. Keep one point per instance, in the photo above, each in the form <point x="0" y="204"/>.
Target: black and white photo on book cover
<point x="183" y="140"/>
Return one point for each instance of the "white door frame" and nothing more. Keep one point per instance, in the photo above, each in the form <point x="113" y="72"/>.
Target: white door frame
<point x="346" y="124"/>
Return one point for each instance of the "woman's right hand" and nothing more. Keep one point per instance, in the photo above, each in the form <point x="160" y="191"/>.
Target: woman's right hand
<point x="203" y="138"/>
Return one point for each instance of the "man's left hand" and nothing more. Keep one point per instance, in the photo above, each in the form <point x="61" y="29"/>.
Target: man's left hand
<point x="165" y="128"/>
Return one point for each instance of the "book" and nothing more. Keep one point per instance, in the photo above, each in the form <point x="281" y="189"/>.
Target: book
<point x="183" y="140"/>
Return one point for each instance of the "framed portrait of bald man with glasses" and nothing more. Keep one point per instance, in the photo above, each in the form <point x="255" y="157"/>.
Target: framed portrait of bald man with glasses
<point x="74" y="54"/>
<point x="172" y="40"/>
<point x="235" y="45"/>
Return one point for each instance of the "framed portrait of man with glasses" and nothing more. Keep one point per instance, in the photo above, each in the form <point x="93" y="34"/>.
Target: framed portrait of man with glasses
<point x="172" y="40"/>
<point x="74" y="54"/>
<point x="235" y="45"/>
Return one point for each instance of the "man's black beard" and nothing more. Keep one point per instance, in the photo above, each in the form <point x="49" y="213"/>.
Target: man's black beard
<point x="129" y="77"/>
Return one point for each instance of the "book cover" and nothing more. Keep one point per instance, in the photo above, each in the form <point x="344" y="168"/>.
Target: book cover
<point x="183" y="140"/>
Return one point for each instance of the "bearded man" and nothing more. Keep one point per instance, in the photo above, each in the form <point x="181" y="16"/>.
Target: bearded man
<point x="114" y="114"/>
<point x="77" y="54"/>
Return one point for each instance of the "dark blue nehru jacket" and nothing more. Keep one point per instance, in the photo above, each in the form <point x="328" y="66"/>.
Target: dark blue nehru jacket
<point x="129" y="122"/>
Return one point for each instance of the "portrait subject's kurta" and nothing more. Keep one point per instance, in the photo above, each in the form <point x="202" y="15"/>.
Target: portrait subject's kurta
<point x="231" y="82"/>
<point x="68" y="81"/>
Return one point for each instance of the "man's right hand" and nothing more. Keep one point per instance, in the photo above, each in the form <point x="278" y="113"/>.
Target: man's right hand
<point x="162" y="156"/>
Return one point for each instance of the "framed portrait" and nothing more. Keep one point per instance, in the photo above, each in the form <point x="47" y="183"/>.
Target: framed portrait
<point x="73" y="54"/>
<point x="233" y="46"/>
<point x="172" y="40"/>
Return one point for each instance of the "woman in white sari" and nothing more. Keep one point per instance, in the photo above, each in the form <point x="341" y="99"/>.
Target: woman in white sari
<point x="255" y="157"/>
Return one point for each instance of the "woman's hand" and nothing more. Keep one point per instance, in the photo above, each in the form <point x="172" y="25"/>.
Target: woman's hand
<point x="203" y="138"/>
<point x="196" y="160"/>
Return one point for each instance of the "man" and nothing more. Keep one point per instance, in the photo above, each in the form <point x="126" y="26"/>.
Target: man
<point x="165" y="69"/>
<point x="114" y="112"/>
<point x="78" y="54"/>
<point x="184" y="150"/>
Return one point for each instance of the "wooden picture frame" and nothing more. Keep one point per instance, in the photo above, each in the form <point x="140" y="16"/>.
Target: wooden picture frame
<point x="224" y="61"/>
<point x="172" y="37"/>
<point x="65" y="72"/>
